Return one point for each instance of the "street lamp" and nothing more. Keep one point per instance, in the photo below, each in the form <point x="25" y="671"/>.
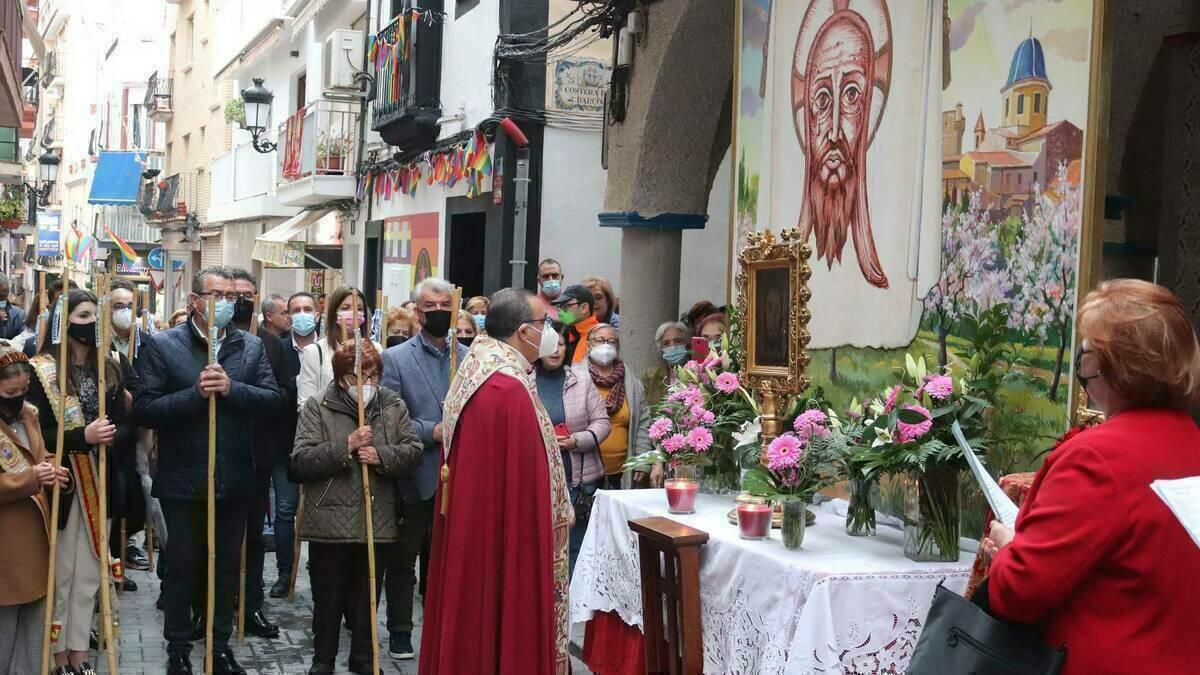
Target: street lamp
<point x="257" y="100"/>
<point x="47" y="174"/>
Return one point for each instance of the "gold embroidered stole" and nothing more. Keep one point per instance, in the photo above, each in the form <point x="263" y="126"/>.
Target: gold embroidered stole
<point x="488" y="357"/>
<point x="14" y="459"/>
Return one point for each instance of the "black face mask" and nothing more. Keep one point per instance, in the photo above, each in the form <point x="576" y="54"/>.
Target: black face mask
<point x="84" y="333"/>
<point x="10" y="408"/>
<point x="1083" y="381"/>
<point x="243" y="310"/>
<point x="437" y="322"/>
<point x="394" y="340"/>
<point x="466" y="341"/>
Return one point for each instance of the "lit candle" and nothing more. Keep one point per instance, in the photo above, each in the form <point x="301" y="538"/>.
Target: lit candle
<point x="754" y="520"/>
<point x="681" y="495"/>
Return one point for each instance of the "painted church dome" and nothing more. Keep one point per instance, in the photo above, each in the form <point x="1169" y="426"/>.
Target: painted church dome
<point x="1028" y="62"/>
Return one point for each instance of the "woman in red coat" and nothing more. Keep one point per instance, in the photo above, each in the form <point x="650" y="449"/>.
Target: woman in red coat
<point x="1097" y="559"/>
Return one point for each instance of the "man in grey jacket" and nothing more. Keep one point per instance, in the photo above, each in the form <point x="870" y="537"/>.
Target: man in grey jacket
<point x="418" y="370"/>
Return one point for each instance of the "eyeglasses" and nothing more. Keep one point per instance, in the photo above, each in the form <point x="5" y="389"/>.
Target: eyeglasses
<point x="218" y="295"/>
<point x="604" y="341"/>
<point x="569" y="304"/>
<point x="534" y="322"/>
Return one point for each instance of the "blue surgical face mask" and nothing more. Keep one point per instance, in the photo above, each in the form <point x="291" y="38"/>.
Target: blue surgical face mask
<point x="480" y="320"/>
<point x="303" y="324"/>
<point x="675" y="354"/>
<point x="551" y="288"/>
<point x="223" y="313"/>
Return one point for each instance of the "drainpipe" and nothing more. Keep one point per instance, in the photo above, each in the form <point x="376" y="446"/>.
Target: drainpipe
<point x="521" y="202"/>
<point x="362" y="119"/>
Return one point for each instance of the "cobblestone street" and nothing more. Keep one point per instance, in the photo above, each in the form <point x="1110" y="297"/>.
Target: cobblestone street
<point x="142" y="649"/>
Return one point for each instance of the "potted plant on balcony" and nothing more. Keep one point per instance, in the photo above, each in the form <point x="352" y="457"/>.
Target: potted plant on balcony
<point x="235" y="112"/>
<point x="332" y="151"/>
<point x="12" y="209"/>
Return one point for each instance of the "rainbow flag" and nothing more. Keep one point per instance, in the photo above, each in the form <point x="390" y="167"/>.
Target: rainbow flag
<point x="126" y="250"/>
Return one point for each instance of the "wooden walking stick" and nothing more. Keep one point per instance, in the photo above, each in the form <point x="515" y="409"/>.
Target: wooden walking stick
<point x="58" y="457"/>
<point x="366" y="484"/>
<point x="43" y="321"/>
<point x="455" y="304"/>
<point x="211" y="596"/>
<point x="296" y="549"/>
<point x="241" y="610"/>
<point x="150" y="545"/>
<point x="103" y="324"/>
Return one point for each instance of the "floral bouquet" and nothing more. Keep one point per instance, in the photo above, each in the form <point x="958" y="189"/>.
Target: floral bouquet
<point x="694" y="426"/>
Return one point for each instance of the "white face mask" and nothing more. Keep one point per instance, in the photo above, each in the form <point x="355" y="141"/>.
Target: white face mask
<point x="368" y="392"/>
<point x="123" y="318"/>
<point x="602" y="355"/>
<point x="548" y="344"/>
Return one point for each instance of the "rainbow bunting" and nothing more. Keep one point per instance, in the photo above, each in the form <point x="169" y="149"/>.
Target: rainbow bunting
<point x="127" y="251"/>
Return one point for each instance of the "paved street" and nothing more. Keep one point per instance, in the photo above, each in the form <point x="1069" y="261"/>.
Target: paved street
<point x="143" y="650"/>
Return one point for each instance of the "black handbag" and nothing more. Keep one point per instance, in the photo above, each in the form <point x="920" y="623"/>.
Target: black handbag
<point x="960" y="637"/>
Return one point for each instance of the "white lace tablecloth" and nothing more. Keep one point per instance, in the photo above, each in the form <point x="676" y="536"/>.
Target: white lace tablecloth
<point x="840" y="604"/>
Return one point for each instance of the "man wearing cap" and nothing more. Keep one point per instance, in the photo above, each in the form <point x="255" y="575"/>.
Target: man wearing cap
<point x="574" y="307"/>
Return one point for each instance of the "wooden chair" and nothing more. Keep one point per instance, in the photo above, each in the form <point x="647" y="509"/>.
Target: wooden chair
<point x="670" y="562"/>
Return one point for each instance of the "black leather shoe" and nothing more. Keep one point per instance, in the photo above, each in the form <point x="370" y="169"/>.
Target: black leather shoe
<point x="361" y="667"/>
<point x="258" y="626"/>
<point x="320" y="669"/>
<point x="85" y="668"/>
<point x="94" y="641"/>
<point x="179" y="664"/>
<point x="225" y="664"/>
<point x="279" y="589"/>
<point x="129" y="586"/>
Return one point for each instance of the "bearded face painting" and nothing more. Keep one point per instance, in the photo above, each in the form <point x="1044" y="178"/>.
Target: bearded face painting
<point x="840" y="72"/>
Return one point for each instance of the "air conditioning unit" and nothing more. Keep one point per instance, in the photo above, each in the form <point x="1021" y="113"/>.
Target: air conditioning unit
<point x="342" y="57"/>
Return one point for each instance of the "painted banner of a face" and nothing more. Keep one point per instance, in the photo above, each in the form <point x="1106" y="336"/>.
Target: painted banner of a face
<point x="833" y="87"/>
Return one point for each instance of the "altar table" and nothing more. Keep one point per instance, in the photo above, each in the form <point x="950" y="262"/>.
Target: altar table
<point x="840" y="604"/>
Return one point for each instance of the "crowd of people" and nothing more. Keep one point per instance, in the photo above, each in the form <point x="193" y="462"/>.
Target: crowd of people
<point x="289" y="448"/>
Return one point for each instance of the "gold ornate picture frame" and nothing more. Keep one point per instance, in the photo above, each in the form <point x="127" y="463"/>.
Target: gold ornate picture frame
<point x="773" y="297"/>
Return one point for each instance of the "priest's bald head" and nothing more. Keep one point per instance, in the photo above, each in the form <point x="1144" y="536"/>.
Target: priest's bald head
<point x="517" y="318"/>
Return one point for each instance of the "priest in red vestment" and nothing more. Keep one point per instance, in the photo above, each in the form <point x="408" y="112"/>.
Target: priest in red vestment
<point x="497" y="592"/>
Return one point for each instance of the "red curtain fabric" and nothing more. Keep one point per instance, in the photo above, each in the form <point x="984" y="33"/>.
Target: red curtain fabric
<point x="612" y="647"/>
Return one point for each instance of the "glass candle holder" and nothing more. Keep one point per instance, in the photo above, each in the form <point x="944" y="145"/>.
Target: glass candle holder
<point x="754" y="518"/>
<point x="681" y="495"/>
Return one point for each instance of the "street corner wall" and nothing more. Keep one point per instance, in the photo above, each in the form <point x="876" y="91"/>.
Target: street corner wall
<point x="980" y="220"/>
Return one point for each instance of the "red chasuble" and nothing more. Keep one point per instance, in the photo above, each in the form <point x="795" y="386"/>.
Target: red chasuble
<point x="496" y="595"/>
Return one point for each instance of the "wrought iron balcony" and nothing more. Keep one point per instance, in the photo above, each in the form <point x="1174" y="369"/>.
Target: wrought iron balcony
<point x="167" y="200"/>
<point x="406" y="56"/>
<point x="159" y="89"/>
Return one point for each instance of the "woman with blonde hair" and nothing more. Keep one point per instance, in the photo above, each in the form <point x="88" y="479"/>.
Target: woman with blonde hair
<point x="402" y="324"/>
<point x="477" y="307"/>
<point x="605" y="307"/>
<point x="1097" y="560"/>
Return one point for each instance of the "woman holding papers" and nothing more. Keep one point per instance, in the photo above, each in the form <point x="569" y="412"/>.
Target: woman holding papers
<point x="1097" y="559"/>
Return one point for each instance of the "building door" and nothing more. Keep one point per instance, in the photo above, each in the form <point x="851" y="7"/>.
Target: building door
<point x="301" y="91"/>
<point x="465" y="257"/>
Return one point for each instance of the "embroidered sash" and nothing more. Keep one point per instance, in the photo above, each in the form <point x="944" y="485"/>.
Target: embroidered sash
<point x="491" y="357"/>
<point x="47" y="373"/>
<point x="14" y="460"/>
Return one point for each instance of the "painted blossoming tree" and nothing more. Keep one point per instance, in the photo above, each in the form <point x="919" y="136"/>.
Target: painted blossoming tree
<point x="973" y="277"/>
<point x="1043" y="266"/>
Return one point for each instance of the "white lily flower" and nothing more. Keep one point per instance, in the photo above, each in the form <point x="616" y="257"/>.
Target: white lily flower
<point x="749" y="433"/>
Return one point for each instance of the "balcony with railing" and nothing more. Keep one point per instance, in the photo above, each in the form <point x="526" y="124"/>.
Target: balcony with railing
<point x="159" y="100"/>
<point x="316" y="154"/>
<point x="407" y="59"/>
<point x="52" y="133"/>
<point x="166" y="201"/>
<point x="52" y="73"/>
<point x="243" y="187"/>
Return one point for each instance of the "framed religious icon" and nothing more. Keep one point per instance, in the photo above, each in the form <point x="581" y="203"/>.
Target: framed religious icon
<point x="773" y="300"/>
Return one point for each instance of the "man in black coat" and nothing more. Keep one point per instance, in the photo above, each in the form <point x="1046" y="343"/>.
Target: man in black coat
<point x="267" y="439"/>
<point x="176" y="383"/>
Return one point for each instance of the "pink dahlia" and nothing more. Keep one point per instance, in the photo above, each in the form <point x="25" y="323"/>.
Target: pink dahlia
<point x="811" y="423"/>
<point x="911" y="432"/>
<point x="939" y="387"/>
<point x="700" y="439"/>
<point x="727" y="383"/>
<point x="890" y="404"/>
<point x="674" y="443"/>
<point x="661" y="427"/>
<point x="785" y="452"/>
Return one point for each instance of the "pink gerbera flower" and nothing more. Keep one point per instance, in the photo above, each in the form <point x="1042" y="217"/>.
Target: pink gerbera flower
<point x="939" y="387"/>
<point x="708" y="417"/>
<point x="700" y="439"/>
<point x="674" y="443"/>
<point x="811" y="423"/>
<point x="727" y="383"/>
<point x="661" y="427"/>
<point x="890" y="404"/>
<point x="785" y="452"/>
<point x="911" y="432"/>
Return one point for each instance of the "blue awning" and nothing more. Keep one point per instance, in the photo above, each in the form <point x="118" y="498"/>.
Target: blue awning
<point x="116" y="180"/>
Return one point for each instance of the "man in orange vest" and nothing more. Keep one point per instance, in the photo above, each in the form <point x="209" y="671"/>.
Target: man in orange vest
<point x="575" y="312"/>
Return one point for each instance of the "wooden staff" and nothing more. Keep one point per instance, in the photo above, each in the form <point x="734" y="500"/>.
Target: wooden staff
<point x="149" y="545"/>
<point x="241" y="610"/>
<point x="455" y="303"/>
<point x="133" y="329"/>
<point x="58" y="455"/>
<point x="296" y="549"/>
<point x="146" y="305"/>
<point x="43" y="322"/>
<point x="104" y="322"/>
<point x="211" y="596"/>
<point x="366" y="484"/>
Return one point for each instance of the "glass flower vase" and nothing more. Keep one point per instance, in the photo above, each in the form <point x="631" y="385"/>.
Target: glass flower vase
<point x="794" y="515"/>
<point x="931" y="514"/>
<point x="860" y="515"/>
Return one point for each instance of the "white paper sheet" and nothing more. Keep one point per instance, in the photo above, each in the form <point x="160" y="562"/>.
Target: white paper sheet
<point x="1182" y="496"/>
<point x="1002" y="506"/>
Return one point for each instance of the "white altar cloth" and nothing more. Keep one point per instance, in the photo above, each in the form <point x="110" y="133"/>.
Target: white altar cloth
<point x="840" y="604"/>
